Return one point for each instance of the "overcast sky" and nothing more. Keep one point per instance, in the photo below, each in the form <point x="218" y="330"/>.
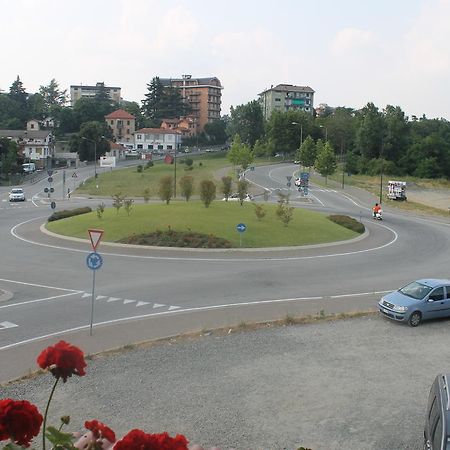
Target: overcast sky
<point x="350" y="52"/>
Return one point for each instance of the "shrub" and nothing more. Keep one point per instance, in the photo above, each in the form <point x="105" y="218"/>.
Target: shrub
<point x="69" y="213"/>
<point x="348" y="222"/>
<point x="148" y="165"/>
<point x="226" y="186"/>
<point x="189" y="162"/>
<point x="186" y="186"/>
<point x="100" y="210"/>
<point x="260" y="212"/>
<point x="118" y="200"/>
<point x="146" y="195"/>
<point x="128" y="205"/>
<point x="284" y="212"/>
<point x="139" y="168"/>
<point x="242" y="187"/>
<point x="207" y="192"/>
<point x="165" y="190"/>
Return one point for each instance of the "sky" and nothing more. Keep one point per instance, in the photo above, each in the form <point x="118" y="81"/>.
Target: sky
<point x="350" y="52"/>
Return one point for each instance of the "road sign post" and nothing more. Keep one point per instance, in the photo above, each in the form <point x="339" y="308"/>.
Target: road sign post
<point x="240" y="227"/>
<point x="94" y="261"/>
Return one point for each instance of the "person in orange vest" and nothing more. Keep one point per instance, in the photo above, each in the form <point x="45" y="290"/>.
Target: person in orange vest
<point x="376" y="210"/>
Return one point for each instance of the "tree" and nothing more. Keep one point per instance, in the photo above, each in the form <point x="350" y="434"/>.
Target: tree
<point x="186" y="186"/>
<point x="91" y="142"/>
<point x="247" y="121"/>
<point x="165" y="190"/>
<point x="8" y="156"/>
<point x="242" y="187"/>
<point x="52" y="96"/>
<point x="370" y="132"/>
<point x="284" y="211"/>
<point x="240" y="154"/>
<point x="215" y="131"/>
<point x="19" y="97"/>
<point x="326" y="161"/>
<point x="226" y="187"/>
<point x="207" y="192"/>
<point x="307" y="152"/>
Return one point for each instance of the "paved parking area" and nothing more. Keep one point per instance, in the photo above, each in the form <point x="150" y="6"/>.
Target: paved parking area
<point x="351" y="384"/>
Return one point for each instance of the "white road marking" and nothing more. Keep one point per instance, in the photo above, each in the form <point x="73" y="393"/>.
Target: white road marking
<point x="40" y="300"/>
<point x="100" y="297"/>
<point x="177" y="311"/>
<point x="172" y="308"/>
<point x="86" y="294"/>
<point x="158" y="305"/>
<point x="140" y="303"/>
<point x="221" y="260"/>
<point x="113" y="299"/>
<point x="5" y="325"/>
<point x="127" y="300"/>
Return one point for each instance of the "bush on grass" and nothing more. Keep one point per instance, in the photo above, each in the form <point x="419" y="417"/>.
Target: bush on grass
<point x="348" y="222"/>
<point x="69" y="213"/>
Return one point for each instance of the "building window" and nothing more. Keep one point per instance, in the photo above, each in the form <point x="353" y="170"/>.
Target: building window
<point x="128" y="122"/>
<point x="139" y="136"/>
<point x="112" y="122"/>
<point x="160" y="147"/>
<point x="139" y="146"/>
<point x="169" y="147"/>
<point x="128" y="131"/>
<point x="149" y="147"/>
<point x="278" y="99"/>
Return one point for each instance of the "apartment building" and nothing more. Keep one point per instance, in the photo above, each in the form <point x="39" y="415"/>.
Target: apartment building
<point x="204" y="95"/>
<point x="77" y="92"/>
<point x="123" y="126"/>
<point x="287" y="97"/>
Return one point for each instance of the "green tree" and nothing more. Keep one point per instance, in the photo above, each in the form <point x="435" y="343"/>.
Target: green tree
<point x="247" y="121"/>
<point x="261" y="148"/>
<point x="215" y="132"/>
<point x="207" y="192"/>
<point x="326" y="161"/>
<point x="307" y="153"/>
<point x="52" y="96"/>
<point x="118" y="201"/>
<point x="284" y="211"/>
<point x="226" y="186"/>
<point x="397" y="134"/>
<point x="242" y="188"/>
<point x="260" y="211"/>
<point x="369" y="133"/>
<point x="19" y="98"/>
<point x="165" y="190"/>
<point x="92" y="141"/>
<point x="186" y="186"/>
<point x="240" y="154"/>
<point x="8" y="157"/>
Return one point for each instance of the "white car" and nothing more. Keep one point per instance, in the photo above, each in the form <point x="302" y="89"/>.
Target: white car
<point x="17" y="195"/>
<point x="235" y="198"/>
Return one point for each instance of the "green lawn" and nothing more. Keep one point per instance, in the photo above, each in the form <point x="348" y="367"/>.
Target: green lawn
<point x="220" y="219"/>
<point x="131" y="183"/>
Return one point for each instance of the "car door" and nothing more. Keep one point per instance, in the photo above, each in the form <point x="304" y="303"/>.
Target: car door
<point x="438" y="303"/>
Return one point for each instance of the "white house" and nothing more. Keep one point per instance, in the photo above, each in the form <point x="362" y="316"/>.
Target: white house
<point x="149" y="139"/>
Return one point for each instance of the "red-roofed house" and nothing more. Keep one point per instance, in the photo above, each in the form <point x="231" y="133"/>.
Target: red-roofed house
<point x="116" y="150"/>
<point x="186" y="125"/>
<point x="123" y="125"/>
<point x="159" y="139"/>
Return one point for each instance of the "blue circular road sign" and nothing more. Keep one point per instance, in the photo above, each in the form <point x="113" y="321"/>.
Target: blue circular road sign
<point x="94" y="261"/>
<point x="241" y="227"/>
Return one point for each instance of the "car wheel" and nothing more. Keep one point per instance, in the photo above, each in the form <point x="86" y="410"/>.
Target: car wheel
<point x="415" y="318"/>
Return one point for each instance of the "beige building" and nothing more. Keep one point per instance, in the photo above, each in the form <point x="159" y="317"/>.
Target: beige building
<point x="77" y="92"/>
<point x="156" y="139"/>
<point x="287" y="97"/>
<point x="204" y="95"/>
<point x="123" y="126"/>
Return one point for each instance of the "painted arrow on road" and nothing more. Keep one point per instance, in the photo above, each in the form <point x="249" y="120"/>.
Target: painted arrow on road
<point x="4" y="325"/>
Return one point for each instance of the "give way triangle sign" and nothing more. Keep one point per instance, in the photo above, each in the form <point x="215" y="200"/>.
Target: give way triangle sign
<point x="95" y="236"/>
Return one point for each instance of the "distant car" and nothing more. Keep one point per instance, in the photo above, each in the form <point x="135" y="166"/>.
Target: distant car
<point x="297" y="162"/>
<point x="208" y="150"/>
<point x="420" y="300"/>
<point x="17" y="195"/>
<point x="235" y="198"/>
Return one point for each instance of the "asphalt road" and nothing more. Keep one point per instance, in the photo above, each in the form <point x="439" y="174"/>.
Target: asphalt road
<point x="359" y="384"/>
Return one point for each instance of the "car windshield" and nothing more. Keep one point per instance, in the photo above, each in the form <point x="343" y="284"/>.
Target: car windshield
<point x="415" y="290"/>
<point x="16" y="191"/>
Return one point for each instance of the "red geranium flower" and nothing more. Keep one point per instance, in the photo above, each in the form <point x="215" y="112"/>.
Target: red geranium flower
<point x="100" y="430"/>
<point x="20" y="421"/>
<point x="137" y="439"/>
<point x="63" y="360"/>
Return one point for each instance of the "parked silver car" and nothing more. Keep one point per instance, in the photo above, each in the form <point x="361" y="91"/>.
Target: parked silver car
<point x="420" y="300"/>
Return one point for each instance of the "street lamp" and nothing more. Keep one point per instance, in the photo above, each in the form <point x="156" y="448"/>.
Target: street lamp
<point x="95" y="152"/>
<point x="301" y="131"/>
<point x="326" y="132"/>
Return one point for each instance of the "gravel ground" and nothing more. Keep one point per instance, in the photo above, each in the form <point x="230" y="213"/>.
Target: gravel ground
<point x="351" y="384"/>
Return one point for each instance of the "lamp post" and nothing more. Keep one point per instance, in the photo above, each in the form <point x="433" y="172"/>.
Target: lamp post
<point x="301" y="131"/>
<point x="381" y="172"/>
<point x="95" y="152"/>
<point x="326" y="132"/>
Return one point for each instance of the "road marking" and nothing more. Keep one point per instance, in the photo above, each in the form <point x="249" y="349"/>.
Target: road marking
<point x="113" y="299"/>
<point x="100" y="297"/>
<point x="178" y="311"/>
<point x="140" y="303"/>
<point x="5" y="325"/>
<point x="172" y="308"/>
<point x="86" y="294"/>
<point x="127" y="300"/>
<point x="158" y="305"/>
<point x="40" y="300"/>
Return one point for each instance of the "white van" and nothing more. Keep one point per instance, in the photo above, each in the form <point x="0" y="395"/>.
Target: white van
<point x="29" y="167"/>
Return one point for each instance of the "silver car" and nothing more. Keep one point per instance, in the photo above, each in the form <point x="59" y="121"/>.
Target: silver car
<point x="420" y="300"/>
<point x="17" y="195"/>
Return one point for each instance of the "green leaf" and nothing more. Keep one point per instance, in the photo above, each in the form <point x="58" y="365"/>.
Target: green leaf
<point x="59" y="439"/>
